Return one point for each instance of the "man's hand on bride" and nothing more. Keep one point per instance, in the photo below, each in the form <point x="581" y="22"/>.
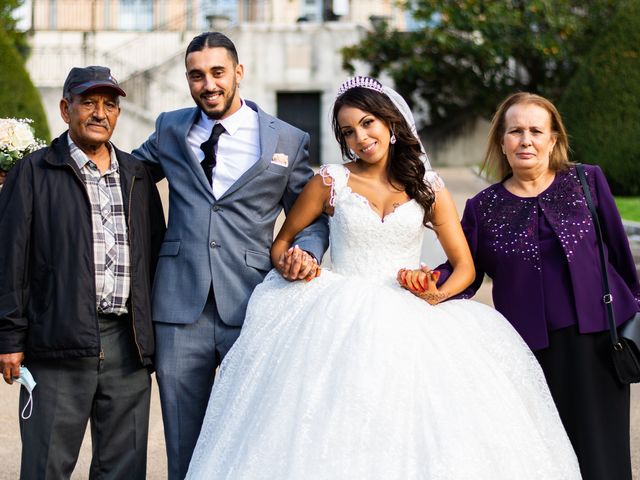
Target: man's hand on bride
<point x="422" y="283"/>
<point x="296" y="264"/>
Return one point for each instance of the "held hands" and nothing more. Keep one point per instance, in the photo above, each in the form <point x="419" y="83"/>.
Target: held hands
<point x="422" y="283"/>
<point x="296" y="264"/>
<point x="10" y="365"/>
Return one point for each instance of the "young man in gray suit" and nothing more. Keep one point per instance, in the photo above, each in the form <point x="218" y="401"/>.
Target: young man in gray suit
<point x="231" y="169"/>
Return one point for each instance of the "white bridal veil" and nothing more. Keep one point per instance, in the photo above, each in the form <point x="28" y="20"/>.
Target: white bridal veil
<point x="402" y="105"/>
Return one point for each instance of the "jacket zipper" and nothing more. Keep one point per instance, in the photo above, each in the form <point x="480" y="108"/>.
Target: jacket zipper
<point x="133" y="315"/>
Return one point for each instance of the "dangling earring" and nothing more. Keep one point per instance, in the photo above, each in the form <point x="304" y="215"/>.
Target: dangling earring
<point x="392" y="140"/>
<point x="352" y="155"/>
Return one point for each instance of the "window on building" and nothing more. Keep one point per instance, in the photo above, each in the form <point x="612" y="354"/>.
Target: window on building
<point x="311" y="10"/>
<point x="135" y="14"/>
<point x="218" y="13"/>
<point x="53" y="14"/>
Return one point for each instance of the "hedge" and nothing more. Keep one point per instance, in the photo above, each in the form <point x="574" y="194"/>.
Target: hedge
<point x="19" y="98"/>
<point x="601" y="105"/>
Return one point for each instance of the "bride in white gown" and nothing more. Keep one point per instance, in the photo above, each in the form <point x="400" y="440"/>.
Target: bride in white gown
<point x="349" y="376"/>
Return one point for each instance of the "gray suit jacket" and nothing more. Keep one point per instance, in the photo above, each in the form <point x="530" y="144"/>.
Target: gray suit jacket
<point x="223" y="242"/>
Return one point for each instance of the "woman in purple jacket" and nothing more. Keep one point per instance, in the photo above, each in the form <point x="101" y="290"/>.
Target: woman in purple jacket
<point x="532" y="234"/>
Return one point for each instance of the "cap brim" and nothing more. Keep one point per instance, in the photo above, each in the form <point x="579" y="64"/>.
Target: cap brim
<point x="85" y="87"/>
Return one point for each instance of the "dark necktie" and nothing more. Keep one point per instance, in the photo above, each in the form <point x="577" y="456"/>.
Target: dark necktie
<point x="209" y="149"/>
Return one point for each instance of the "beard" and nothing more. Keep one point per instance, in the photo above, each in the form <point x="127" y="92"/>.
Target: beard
<point x="216" y="113"/>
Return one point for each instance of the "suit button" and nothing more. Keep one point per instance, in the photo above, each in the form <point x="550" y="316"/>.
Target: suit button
<point x="213" y="245"/>
<point x="216" y="208"/>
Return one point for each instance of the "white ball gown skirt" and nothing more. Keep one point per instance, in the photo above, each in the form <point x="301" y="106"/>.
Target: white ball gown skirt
<point x="342" y="378"/>
<point x="351" y="377"/>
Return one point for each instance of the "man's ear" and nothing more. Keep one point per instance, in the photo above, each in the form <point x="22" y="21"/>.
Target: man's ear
<point x="239" y="72"/>
<point x="64" y="110"/>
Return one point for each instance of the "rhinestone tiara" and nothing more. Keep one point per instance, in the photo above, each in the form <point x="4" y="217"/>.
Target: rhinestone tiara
<point x="362" y="82"/>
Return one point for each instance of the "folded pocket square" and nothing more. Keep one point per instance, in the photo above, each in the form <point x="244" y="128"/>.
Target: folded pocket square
<point x="280" y="159"/>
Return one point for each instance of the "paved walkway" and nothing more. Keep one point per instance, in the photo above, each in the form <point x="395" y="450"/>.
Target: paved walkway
<point x="461" y="182"/>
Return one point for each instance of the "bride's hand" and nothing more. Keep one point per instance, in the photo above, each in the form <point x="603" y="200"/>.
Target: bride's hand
<point x="417" y="281"/>
<point x="422" y="283"/>
<point x="296" y="264"/>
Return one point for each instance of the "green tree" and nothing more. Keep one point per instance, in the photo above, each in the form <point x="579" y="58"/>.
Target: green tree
<point x="467" y="55"/>
<point x="18" y="96"/>
<point x="8" y="25"/>
<point x="601" y="105"/>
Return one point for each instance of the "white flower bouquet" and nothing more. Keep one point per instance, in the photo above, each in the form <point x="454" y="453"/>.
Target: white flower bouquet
<point x="16" y="140"/>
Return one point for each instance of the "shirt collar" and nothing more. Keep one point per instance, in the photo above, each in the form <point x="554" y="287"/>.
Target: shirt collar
<point x="233" y="122"/>
<point x="82" y="159"/>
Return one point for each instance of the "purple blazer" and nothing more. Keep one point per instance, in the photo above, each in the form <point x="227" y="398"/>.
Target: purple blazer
<point x="502" y="232"/>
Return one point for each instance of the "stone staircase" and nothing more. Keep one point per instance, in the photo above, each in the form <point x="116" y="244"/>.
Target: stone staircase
<point x="133" y="56"/>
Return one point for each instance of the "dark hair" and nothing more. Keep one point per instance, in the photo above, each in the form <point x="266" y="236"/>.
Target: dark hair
<point x="405" y="165"/>
<point x="212" y="40"/>
<point x="495" y="164"/>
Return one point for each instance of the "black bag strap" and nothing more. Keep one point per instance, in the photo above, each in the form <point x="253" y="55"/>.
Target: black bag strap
<point x="607" y="298"/>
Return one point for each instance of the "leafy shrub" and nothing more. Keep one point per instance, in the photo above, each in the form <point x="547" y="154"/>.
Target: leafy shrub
<point x="18" y="96"/>
<point x="601" y="105"/>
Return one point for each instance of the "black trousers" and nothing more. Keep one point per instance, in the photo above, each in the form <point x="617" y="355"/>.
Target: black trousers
<point x="113" y="393"/>
<point x="593" y="405"/>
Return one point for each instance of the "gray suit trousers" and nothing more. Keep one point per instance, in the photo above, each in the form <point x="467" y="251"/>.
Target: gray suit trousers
<point x="186" y="360"/>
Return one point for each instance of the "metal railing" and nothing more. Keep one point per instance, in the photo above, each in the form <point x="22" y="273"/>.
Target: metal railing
<point x="50" y="62"/>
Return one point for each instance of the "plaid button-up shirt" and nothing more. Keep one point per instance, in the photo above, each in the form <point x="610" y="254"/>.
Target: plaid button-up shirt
<point x="110" y="236"/>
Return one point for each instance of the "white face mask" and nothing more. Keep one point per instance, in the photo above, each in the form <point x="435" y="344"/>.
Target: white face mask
<point x="26" y="379"/>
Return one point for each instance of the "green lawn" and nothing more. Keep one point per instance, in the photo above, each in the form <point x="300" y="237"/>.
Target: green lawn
<point x="629" y="208"/>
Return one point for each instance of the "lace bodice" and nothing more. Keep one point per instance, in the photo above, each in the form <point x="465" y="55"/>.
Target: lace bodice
<point x="364" y="244"/>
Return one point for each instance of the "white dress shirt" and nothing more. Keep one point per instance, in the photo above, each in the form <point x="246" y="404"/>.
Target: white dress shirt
<point x="238" y="148"/>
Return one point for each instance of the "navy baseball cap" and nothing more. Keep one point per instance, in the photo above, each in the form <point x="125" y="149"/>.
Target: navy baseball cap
<point x="83" y="79"/>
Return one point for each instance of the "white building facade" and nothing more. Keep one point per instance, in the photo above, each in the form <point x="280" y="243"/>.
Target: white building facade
<point x="290" y="50"/>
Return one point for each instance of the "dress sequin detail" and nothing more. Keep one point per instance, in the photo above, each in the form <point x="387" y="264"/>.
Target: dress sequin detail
<point x="511" y="223"/>
<point x="566" y="208"/>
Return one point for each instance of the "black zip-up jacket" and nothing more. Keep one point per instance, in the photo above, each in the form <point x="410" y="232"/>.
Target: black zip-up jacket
<point x="47" y="272"/>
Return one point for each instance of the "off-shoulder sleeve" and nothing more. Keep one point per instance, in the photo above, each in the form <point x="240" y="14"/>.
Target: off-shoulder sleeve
<point x="435" y="180"/>
<point x="336" y="177"/>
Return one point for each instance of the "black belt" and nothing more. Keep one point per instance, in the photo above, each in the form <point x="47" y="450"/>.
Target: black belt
<point x="113" y="316"/>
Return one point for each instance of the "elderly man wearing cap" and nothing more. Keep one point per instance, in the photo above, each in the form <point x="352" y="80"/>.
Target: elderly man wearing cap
<point x="80" y="227"/>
